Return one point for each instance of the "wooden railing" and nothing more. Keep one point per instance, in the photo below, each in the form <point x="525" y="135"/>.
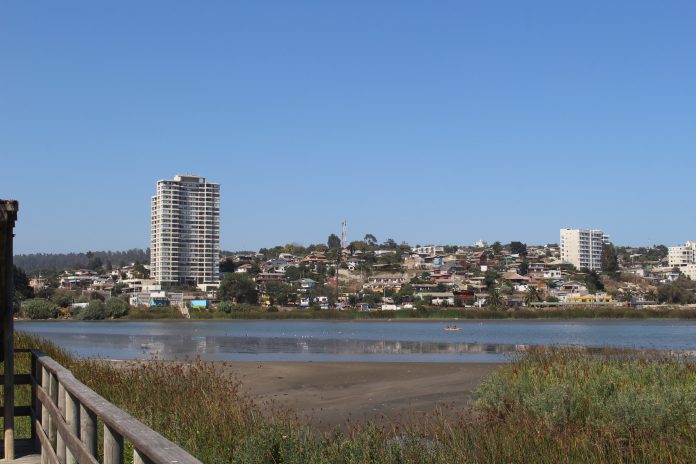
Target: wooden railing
<point x="66" y="415"/>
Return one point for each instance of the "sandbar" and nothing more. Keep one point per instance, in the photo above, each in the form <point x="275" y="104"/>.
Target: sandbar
<point x="334" y="394"/>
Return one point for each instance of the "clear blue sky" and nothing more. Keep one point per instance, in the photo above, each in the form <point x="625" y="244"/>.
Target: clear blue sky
<point x="429" y="122"/>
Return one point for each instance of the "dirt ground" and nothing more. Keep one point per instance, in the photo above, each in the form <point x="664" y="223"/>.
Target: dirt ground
<point x="329" y="395"/>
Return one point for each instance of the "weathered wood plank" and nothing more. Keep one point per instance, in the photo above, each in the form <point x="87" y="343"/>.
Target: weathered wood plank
<point x="88" y="430"/>
<point x="77" y="448"/>
<point x="113" y="446"/>
<point x="72" y="417"/>
<point x="47" y="454"/>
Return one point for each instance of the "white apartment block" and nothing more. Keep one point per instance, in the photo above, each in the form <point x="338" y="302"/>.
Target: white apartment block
<point x="185" y="233"/>
<point x="680" y="256"/>
<point x="583" y="248"/>
<point x="428" y="250"/>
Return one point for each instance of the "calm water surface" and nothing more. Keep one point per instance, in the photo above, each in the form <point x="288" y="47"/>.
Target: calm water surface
<point x="411" y="341"/>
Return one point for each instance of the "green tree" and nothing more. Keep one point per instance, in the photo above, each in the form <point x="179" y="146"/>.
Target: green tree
<point x="293" y="273"/>
<point x="279" y="293"/>
<point x="357" y="245"/>
<point x="490" y="278"/>
<point x="238" y="287"/>
<point x="94" y="311"/>
<point x="40" y="309"/>
<point x="95" y="263"/>
<point x="524" y="267"/>
<point x="518" y="248"/>
<point x="116" y="308"/>
<point x="333" y="241"/>
<point x="680" y="291"/>
<point x="370" y="239"/>
<point x="610" y="259"/>
<point x="63" y="297"/>
<point x="593" y="281"/>
<point x="651" y="295"/>
<point x="532" y="295"/>
<point x="139" y="271"/>
<point x="626" y="295"/>
<point x="494" y="299"/>
<point x="390" y="243"/>
<point x="225" y="307"/>
<point x="21" y="283"/>
<point x="497" y="248"/>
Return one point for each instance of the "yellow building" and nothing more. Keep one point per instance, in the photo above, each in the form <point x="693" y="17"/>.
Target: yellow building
<point x="590" y="299"/>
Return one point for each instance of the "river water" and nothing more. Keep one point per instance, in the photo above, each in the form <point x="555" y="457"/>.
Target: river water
<point x="399" y="341"/>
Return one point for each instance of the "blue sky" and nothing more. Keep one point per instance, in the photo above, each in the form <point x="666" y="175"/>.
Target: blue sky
<point x="425" y="122"/>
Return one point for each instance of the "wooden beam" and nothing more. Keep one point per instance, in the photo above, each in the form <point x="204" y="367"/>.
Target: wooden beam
<point x="8" y="217"/>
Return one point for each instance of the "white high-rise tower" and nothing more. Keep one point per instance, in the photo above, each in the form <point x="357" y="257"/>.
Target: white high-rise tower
<point x="185" y="234"/>
<point x="583" y="248"/>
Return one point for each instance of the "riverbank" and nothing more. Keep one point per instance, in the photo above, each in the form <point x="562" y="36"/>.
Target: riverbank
<point x="435" y="313"/>
<point x="328" y="395"/>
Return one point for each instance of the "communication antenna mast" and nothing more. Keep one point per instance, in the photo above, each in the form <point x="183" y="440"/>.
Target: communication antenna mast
<point x="343" y="234"/>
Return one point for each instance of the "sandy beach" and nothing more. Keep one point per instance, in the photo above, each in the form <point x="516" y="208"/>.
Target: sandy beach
<point x="328" y="395"/>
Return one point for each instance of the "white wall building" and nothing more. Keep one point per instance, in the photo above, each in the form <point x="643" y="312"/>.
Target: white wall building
<point x="185" y="233"/>
<point x="428" y="250"/>
<point x="583" y="248"/>
<point x="679" y="256"/>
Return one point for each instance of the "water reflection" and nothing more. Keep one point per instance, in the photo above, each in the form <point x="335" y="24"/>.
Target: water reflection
<point x="415" y="341"/>
<point x="212" y="347"/>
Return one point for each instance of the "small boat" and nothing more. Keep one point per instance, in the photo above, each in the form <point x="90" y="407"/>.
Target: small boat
<point x="453" y="328"/>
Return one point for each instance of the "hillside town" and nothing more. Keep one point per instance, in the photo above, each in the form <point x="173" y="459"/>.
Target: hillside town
<point x="185" y="269"/>
<point x="366" y="275"/>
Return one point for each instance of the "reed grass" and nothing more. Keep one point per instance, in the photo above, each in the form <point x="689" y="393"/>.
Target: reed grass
<point x="547" y="406"/>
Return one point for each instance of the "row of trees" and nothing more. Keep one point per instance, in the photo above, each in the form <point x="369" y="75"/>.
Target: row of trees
<point x="95" y="260"/>
<point x="95" y="309"/>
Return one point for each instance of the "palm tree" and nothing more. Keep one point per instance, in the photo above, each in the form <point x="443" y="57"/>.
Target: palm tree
<point x="626" y="295"/>
<point x="494" y="299"/>
<point x="651" y="295"/>
<point x="532" y="296"/>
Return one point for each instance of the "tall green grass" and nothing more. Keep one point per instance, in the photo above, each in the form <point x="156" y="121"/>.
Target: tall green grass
<point x="548" y="406"/>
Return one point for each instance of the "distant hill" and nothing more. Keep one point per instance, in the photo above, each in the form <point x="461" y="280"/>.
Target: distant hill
<point x="92" y="259"/>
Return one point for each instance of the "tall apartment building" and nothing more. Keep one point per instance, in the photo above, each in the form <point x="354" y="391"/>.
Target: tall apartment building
<point x="583" y="248"/>
<point x="185" y="233"/>
<point x="680" y="256"/>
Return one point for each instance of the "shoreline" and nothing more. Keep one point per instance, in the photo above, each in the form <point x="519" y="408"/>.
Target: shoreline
<point x="370" y="320"/>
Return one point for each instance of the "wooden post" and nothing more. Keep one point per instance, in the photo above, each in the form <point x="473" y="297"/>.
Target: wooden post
<point x="88" y="429"/>
<point x="53" y="394"/>
<point x="139" y="458"/>
<point x="60" y="442"/>
<point x="113" y="446"/>
<point x="45" y="417"/>
<point x="8" y="217"/>
<point x="35" y="404"/>
<point x="72" y="417"/>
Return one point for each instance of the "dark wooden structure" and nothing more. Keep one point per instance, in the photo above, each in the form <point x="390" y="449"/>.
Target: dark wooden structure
<point x="8" y="217"/>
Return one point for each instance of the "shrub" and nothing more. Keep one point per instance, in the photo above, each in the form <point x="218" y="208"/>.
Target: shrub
<point x="272" y="309"/>
<point x="225" y="306"/>
<point x="116" y="308"/>
<point x="40" y="309"/>
<point x="63" y="297"/>
<point x="96" y="310"/>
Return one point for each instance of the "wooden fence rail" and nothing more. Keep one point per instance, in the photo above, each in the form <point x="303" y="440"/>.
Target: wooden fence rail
<point x="65" y="415"/>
